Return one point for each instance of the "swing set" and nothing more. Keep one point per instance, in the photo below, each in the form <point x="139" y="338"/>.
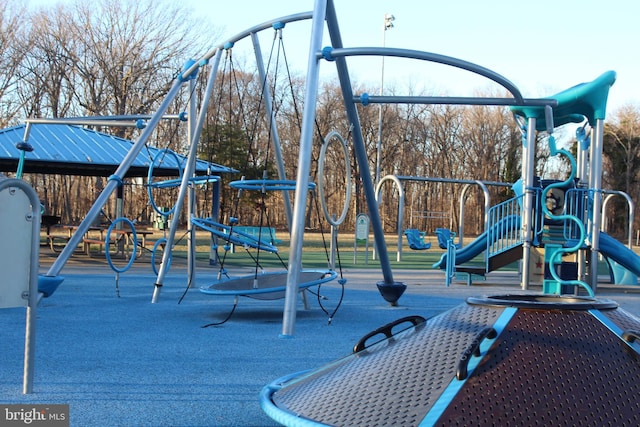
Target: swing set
<point x="322" y="17"/>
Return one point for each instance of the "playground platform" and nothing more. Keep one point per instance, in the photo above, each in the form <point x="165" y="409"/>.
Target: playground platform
<point x="124" y="361"/>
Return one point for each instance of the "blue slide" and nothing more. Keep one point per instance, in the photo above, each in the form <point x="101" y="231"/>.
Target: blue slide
<point x="613" y="249"/>
<point x="479" y="245"/>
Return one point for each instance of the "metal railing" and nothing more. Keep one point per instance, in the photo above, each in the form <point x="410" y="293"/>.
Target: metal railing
<point x="504" y="226"/>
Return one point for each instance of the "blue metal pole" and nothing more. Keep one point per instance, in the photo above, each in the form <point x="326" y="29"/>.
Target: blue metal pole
<point x="389" y="289"/>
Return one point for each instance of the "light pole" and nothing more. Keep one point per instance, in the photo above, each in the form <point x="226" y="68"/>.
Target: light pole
<point x="387" y="25"/>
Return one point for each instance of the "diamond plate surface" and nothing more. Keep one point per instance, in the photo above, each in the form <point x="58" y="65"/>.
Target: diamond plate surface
<point x="623" y="319"/>
<point x="553" y="368"/>
<point x="394" y="382"/>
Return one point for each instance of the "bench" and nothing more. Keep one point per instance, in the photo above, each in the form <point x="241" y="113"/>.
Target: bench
<point x="148" y="246"/>
<point x="62" y="240"/>
<point x="89" y="241"/>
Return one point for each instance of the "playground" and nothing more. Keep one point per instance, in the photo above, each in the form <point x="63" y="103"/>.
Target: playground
<point x="223" y="323"/>
<point x="135" y="363"/>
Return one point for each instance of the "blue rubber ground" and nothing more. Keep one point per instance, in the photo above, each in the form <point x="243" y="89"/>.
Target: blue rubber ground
<point x="127" y="362"/>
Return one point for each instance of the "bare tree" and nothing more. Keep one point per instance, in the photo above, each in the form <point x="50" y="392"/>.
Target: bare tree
<point x="13" y="47"/>
<point x="47" y="70"/>
<point x="109" y="57"/>
<point x="622" y="157"/>
<point x="126" y="53"/>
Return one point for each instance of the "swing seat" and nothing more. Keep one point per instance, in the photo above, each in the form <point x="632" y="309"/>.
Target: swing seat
<point x="416" y="239"/>
<point x="267" y="286"/>
<point x="444" y="235"/>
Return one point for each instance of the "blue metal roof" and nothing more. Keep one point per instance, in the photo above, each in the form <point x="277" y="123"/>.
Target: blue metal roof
<point x="74" y="150"/>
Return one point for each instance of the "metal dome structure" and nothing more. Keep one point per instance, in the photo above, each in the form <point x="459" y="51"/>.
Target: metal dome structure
<point x="520" y="359"/>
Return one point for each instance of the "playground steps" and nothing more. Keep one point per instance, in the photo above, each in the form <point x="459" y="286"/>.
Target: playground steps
<point x="471" y="269"/>
<point x="552" y="234"/>
<point x="495" y="262"/>
<point x="505" y="258"/>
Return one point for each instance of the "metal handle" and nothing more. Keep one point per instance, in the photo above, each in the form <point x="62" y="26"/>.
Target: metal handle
<point x="387" y="330"/>
<point x="631" y="335"/>
<point x="473" y="349"/>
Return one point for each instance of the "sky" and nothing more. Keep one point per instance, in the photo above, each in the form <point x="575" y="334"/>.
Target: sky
<point x="543" y="47"/>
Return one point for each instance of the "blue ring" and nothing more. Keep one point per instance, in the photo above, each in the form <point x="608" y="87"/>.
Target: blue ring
<point x="153" y="255"/>
<point x="151" y="185"/>
<point x="135" y="245"/>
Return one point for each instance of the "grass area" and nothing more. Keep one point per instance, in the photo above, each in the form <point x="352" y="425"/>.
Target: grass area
<point x="316" y="250"/>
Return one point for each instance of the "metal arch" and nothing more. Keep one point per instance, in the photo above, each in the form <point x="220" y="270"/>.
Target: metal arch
<point x="231" y="41"/>
<point x="397" y="179"/>
<point x="440" y="59"/>
<point x="487" y="206"/>
<point x="323" y="201"/>
<point x="398" y="183"/>
<point x="610" y="194"/>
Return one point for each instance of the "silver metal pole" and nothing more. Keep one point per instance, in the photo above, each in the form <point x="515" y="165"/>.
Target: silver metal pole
<point x="304" y="166"/>
<point x="85" y="122"/>
<point x="113" y="182"/>
<point x="529" y="155"/>
<point x="90" y="120"/>
<point x="387" y="25"/>
<point x="30" y="329"/>
<point x="191" y="193"/>
<point x="582" y="175"/>
<point x="596" y="187"/>
<point x="164" y="266"/>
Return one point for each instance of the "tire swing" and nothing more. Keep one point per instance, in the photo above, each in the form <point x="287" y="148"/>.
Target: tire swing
<point x="259" y="285"/>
